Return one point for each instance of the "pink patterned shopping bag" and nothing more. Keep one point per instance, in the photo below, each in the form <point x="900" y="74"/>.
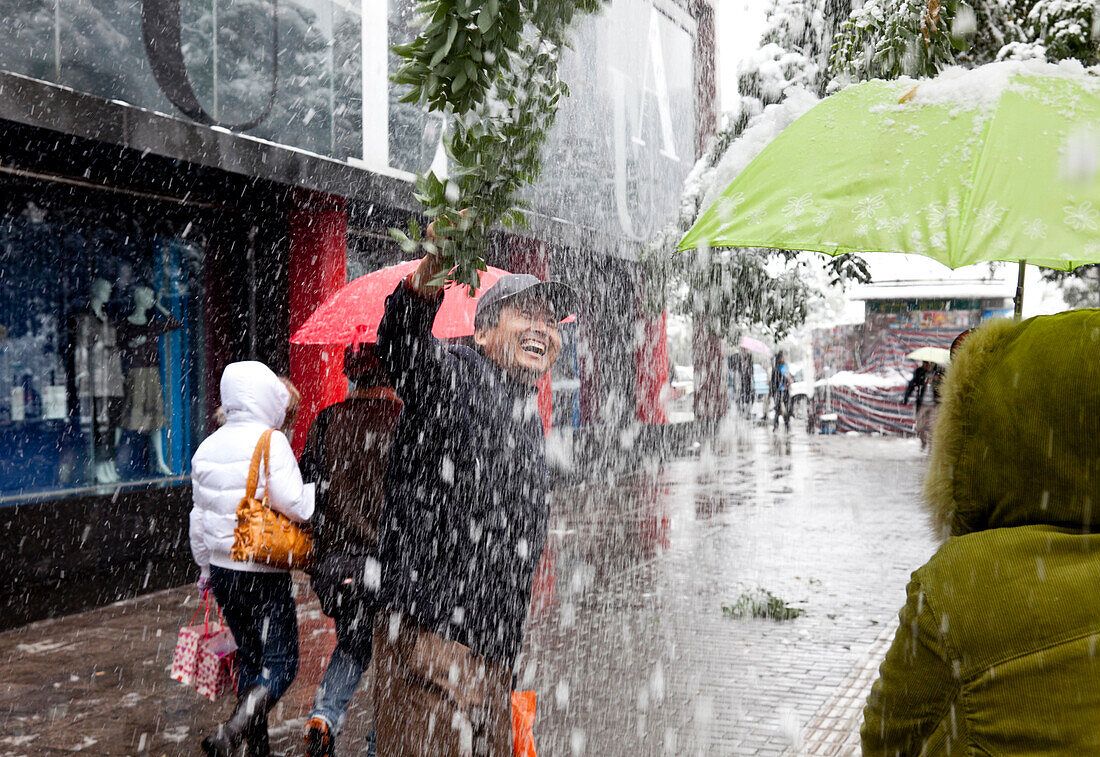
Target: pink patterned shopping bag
<point x="189" y="643"/>
<point x="217" y="672"/>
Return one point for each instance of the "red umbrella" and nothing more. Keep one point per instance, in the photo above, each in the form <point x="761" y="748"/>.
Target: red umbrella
<point x="352" y="314"/>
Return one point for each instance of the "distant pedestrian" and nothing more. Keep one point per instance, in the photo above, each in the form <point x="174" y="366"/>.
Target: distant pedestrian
<point x="779" y="388"/>
<point x="996" y="649"/>
<point x="466" y="513"/>
<point x="740" y="378"/>
<point x="254" y="598"/>
<point x="927" y="376"/>
<point x="748" y="381"/>
<point x="346" y="453"/>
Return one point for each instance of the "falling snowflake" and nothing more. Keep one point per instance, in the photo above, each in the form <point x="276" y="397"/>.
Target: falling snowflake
<point x="796" y="206"/>
<point x="989" y="217"/>
<point x="727" y="206"/>
<point x="892" y="224"/>
<point x="867" y="207"/>
<point x="756" y="216"/>
<point x="1081" y="217"/>
<point x="939" y="213"/>
<point x="1035" y="229"/>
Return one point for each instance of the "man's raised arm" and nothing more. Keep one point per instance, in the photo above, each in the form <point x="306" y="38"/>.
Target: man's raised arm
<point x="414" y="359"/>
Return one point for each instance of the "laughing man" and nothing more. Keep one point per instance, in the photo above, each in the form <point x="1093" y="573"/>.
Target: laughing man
<point x="466" y="512"/>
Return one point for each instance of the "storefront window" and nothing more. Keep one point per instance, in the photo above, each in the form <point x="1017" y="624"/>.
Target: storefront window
<point x="415" y="135"/>
<point x="100" y="354"/>
<point x="312" y="100"/>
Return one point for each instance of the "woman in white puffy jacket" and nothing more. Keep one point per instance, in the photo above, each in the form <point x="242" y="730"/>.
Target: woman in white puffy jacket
<point x="255" y="598"/>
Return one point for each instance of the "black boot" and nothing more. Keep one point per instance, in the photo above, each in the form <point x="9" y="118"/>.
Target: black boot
<point x="256" y="740"/>
<point x="250" y="713"/>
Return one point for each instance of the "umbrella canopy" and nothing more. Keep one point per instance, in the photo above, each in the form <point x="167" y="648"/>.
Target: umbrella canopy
<point x="938" y="355"/>
<point x="755" y="345"/>
<point x="352" y="314"/>
<point x="995" y="163"/>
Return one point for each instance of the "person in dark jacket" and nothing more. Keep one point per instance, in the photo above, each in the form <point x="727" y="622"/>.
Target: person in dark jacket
<point x="927" y="375"/>
<point x="780" y="389"/>
<point x="466" y="513"/>
<point x="346" y="453"/>
<point x="740" y="368"/>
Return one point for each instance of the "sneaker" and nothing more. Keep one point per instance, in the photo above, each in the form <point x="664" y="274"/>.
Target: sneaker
<point x="319" y="739"/>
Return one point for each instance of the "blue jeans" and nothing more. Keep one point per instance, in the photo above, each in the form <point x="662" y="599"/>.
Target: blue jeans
<point x="354" y="628"/>
<point x="260" y="612"/>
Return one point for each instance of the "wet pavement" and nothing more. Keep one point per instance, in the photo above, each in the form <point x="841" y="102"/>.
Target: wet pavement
<point x="628" y="647"/>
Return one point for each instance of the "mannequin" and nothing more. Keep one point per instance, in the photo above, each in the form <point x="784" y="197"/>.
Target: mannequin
<point x="138" y="336"/>
<point x="98" y="371"/>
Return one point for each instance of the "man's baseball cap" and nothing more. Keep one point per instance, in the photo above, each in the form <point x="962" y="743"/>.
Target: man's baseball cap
<point x="513" y="287"/>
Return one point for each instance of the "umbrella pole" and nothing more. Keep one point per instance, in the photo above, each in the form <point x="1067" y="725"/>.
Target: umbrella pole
<point x="1019" y="299"/>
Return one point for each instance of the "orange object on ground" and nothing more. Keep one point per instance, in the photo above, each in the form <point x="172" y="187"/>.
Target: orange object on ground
<point x="523" y="722"/>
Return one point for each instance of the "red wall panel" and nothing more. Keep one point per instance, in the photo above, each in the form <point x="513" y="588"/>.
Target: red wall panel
<point x="318" y="267"/>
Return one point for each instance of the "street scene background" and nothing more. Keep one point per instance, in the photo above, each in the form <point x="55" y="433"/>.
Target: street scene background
<point x="628" y="648"/>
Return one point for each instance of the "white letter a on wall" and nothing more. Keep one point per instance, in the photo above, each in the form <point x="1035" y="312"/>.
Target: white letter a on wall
<point x="655" y="63"/>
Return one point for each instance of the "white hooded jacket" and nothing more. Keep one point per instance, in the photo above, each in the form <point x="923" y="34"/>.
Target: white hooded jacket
<point x="254" y="400"/>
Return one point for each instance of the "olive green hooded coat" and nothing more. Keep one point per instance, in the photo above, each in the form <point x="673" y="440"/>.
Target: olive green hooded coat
<point x="997" y="649"/>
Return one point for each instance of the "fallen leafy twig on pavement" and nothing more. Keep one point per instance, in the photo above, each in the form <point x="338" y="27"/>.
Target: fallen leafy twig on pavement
<point x="761" y="604"/>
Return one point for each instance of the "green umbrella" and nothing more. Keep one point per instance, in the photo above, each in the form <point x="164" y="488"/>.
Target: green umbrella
<point x="998" y="163"/>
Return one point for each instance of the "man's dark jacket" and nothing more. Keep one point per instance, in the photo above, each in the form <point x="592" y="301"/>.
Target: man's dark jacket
<point x="466" y="487"/>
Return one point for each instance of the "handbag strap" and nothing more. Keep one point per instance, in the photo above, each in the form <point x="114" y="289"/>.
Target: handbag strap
<point x="227" y="660"/>
<point x="378" y="393"/>
<point x="197" y="611"/>
<point x="206" y="616"/>
<point x="262" y="452"/>
<point x="208" y="596"/>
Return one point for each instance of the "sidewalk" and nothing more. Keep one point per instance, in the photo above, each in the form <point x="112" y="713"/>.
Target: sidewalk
<point x="628" y="648"/>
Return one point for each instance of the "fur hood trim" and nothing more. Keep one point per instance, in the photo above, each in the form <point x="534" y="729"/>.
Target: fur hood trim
<point x="952" y="427"/>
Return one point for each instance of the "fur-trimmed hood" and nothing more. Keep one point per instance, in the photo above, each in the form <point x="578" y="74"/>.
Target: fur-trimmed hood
<point x="1017" y="436"/>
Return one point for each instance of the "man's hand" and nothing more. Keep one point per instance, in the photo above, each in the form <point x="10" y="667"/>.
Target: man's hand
<point x="430" y="266"/>
<point x="420" y="280"/>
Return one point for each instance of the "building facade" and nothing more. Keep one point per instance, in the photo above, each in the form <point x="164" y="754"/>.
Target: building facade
<point x="182" y="183"/>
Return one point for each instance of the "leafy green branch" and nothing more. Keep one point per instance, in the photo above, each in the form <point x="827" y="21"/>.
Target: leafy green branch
<point x="492" y="65"/>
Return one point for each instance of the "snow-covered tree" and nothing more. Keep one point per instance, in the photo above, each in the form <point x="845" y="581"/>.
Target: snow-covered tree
<point x="1065" y="29"/>
<point x="892" y="38"/>
<point x="765" y="290"/>
<point x="889" y="38"/>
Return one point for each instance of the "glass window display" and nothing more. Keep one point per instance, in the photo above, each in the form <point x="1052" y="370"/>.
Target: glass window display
<point x="100" y="354"/>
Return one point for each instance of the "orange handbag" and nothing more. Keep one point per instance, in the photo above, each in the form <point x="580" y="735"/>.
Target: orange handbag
<point x="263" y="535"/>
<point x="523" y="722"/>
